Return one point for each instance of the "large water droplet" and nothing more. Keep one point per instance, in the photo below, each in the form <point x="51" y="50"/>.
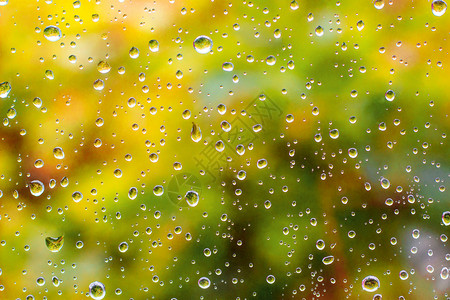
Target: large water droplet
<point x="385" y="184"/>
<point x="370" y="284"/>
<point x="58" y="153"/>
<point x="36" y="188"/>
<point x="97" y="290"/>
<point x="270" y="279"/>
<point x="327" y="260"/>
<point x="123" y="247"/>
<point x="379" y="4"/>
<point x="390" y="95"/>
<point x="446" y="218"/>
<point x="196" y="133"/>
<point x="54" y="244"/>
<point x="192" y="198"/>
<point x="153" y="45"/>
<point x="5" y="88"/>
<point x="204" y="282"/>
<point x="158" y="190"/>
<point x="77" y="196"/>
<point x="438" y="7"/>
<point x="103" y="67"/>
<point x="203" y="44"/>
<point x="52" y="33"/>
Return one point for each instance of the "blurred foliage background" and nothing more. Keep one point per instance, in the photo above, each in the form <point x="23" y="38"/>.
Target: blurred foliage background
<point x="330" y="77"/>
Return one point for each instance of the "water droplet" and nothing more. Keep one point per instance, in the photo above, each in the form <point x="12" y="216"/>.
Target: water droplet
<point x="56" y="282"/>
<point x="79" y="244"/>
<point x="52" y="33"/>
<point x="262" y="163"/>
<point x="360" y="25"/>
<point x="390" y="95"/>
<point x="334" y="134"/>
<point x="319" y="31"/>
<point x="220" y="146"/>
<point x="327" y="260"/>
<point x="49" y="74"/>
<point x="186" y="114"/>
<point x="153" y="45"/>
<point x="204" y="282"/>
<point x="221" y="108"/>
<point x="320" y="244"/>
<point x="227" y="66"/>
<point x="158" y="190"/>
<point x="271" y="60"/>
<point x="315" y="111"/>
<point x="117" y="173"/>
<point x="438" y="7"/>
<point x="207" y="252"/>
<point x="39" y="163"/>
<point x="240" y="149"/>
<point x="294" y="5"/>
<point x="192" y="198"/>
<point x="385" y="184"/>
<point x="318" y="137"/>
<point x="40" y="281"/>
<point x="370" y="284"/>
<point x="403" y="275"/>
<point x="5" y="88"/>
<point x="270" y="279"/>
<point x="11" y="113"/>
<point x="225" y="126"/>
<point x="97" y="290"/>
<point x="54" y="244"/>
<point x="289" y="118"/>
<point x="352" y="152"/>
<point x="132" y="193"/>
<point x="196" y="133"/>
<point x="203" y="44"/>
<point x="123" y="247"/>
<point x="257" y="128"/>
<point x="77" y="196"/>
<point x="36" y="188"/>
<point x="446" y="218"/>
<point x="103" y="67"/>
<point x="277" y="33"/>
<point x="379" y="4"/>
<point x="241" y="175"/>
<point x="134" y="52"/>
<point x="99" y="84"/>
